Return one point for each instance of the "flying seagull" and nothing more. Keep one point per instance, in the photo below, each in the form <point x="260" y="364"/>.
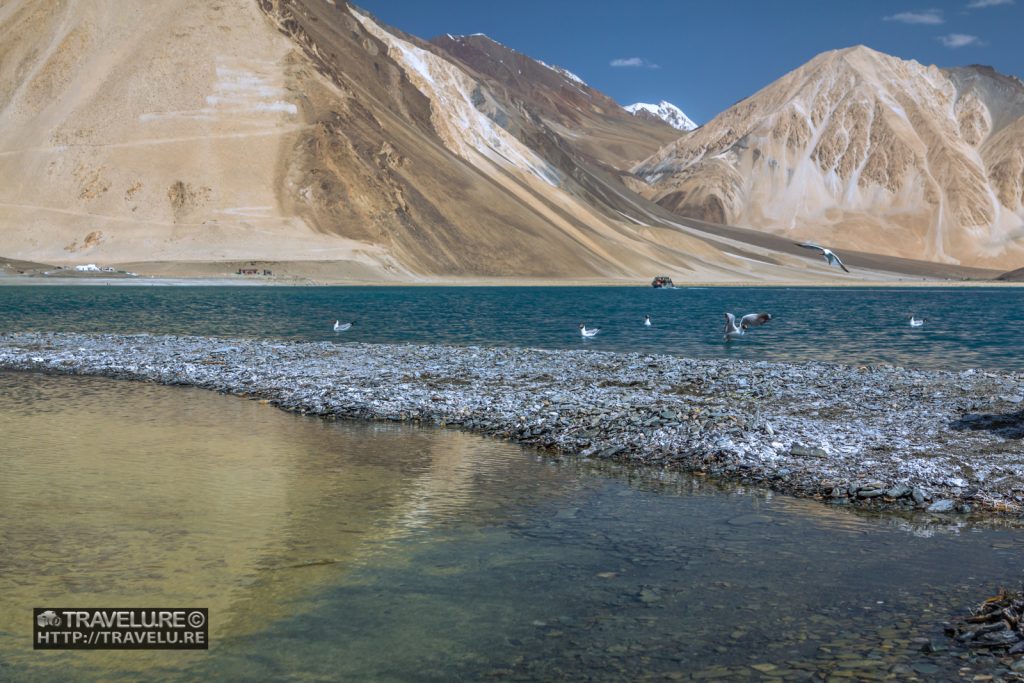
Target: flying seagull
<point x="734" y="330"/>
<point x="591" y="332"/>
<point x="341" y="327"/>
<point x="829" y="255"/>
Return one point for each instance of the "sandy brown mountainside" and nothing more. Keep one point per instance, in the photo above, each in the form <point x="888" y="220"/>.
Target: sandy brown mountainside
<point x="186" y="131"/>
<point x="189" y="133"/>
<point x="863" y="151"/>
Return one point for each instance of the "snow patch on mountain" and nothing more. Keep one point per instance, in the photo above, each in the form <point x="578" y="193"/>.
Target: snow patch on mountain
<point x="667" y="112"/>
<point x="461" y="37"/>
<point x="557" y="69"/>
<point x="565" y="72"/>
<point x="463" y="128"/>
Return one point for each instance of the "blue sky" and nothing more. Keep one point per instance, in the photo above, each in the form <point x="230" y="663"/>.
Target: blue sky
<point x="706" y="55"/>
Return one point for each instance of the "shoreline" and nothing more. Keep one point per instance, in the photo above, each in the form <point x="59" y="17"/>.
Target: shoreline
<point x="333" y="274"/>
<point x="201" y="281"/>
<point x="874" y="437"/>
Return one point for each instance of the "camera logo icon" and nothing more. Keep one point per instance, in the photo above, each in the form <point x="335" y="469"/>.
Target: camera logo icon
<point x="47" y="618"/>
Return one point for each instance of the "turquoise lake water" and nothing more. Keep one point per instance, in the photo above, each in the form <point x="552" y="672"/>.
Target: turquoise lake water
<point x="346" y="551"/>
<point x="966" y="327"/>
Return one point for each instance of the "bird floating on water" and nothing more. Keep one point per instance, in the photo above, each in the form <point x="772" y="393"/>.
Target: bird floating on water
<point x="647" y="321"/>
<point x="829" y="255"/>
<point x="341" y="327"/>
<point x="734" y="329"/>
<point x="589" y="332"/>
<point x="915" y="322"/>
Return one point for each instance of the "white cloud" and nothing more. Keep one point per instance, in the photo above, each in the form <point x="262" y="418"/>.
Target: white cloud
<point x="959" y="40"/>
<point x="979" y="4"/>
<point x="925" y="16"/>
<point x="633" y="62"/>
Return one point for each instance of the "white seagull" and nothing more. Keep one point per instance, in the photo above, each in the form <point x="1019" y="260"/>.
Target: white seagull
<point x="341" y="327"/>
<point x="734" y="330"/>
<point x="914" y="322"/>
<point x="647" y="321"/>
<point x="589" y="332"/>
<point x="829" y="255"/>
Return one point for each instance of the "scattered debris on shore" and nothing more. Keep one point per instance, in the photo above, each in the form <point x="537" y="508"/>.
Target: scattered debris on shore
<point x="996" y="626"/>
<point x="871" y="436"/>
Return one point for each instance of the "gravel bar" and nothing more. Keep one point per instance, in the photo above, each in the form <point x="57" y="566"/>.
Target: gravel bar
<point x="876" y="436"/>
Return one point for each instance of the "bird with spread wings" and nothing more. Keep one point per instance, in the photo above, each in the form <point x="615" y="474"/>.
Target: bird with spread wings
<point x="826" y="253"/>
<point x="734" y="329"/>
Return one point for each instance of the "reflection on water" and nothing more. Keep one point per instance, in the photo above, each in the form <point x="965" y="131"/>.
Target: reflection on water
<point x="847" y="325"/>
<point x="330" y="551"/>
<point x="126" y="494"/>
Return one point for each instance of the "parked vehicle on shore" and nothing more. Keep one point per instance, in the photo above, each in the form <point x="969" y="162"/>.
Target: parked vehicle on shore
<point x="662" y="282"/>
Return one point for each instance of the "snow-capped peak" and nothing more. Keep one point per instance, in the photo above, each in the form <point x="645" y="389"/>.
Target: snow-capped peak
<point x="565" y="72"/>
<point x="666" y="111"/>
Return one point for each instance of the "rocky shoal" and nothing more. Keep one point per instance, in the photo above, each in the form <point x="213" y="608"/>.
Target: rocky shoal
<point x="876" y="436"/>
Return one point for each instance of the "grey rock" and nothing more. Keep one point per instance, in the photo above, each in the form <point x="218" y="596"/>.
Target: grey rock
<point x="996" y="639"/>
<point x="807" y="452"/>
<point x="942" y="506"/>
<point x="924" y="668"/>
<point x="992" y="628"/>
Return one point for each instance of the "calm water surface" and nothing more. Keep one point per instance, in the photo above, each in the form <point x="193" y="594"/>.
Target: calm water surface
<point x="344" y="551"/>
<point x="976" y="327"/>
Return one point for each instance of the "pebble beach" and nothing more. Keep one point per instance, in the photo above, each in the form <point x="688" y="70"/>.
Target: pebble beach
<point x="871" y="436"/>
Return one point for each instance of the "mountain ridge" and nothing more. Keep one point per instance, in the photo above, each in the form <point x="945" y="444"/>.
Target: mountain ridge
<point x="304" y="131"/>
<point x="865" y="151"/>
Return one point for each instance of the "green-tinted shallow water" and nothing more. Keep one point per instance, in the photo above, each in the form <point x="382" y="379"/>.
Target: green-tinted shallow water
<point x="341" y="551"/>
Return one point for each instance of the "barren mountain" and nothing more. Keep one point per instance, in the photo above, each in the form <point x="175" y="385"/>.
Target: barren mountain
<point x="585" y="121"/>
<point x="182" y="136"/>
<point x="863" y="151"/>
<point x="187" y="131"/>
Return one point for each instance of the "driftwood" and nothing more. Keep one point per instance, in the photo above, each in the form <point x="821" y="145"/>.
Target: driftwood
<point x="996" y="624"/>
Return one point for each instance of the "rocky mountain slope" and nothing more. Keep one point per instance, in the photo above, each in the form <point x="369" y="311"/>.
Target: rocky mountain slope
<point x="585" y="122"/>
<point x="663" y="111"/>
<point x="186" y="134"/>
<point x="863" y="151"/>
<point x="305" y="130"/>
